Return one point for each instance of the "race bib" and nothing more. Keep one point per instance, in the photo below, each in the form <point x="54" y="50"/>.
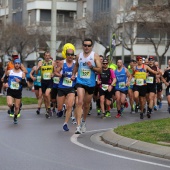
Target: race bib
<point x="38" y="78"/>
<point x="149" y="80"/>
<point x="56" y="80"/>
<point x="47" y="76"/>
<point x="139" y="82"/>
<point x="14" y="85"/>
<point x="122" y="85"/>
<point x="132" y="82"/>
<point x="85" y="73"/>
<point x="67" y="82"/>
<point x="105" y="87"/>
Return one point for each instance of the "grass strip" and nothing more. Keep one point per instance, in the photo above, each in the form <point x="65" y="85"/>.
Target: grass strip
<point x="152" y="131"/>
<point x="25" y="100"/>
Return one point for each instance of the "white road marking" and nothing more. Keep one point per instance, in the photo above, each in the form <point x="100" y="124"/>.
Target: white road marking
<point x="75" y="141"/>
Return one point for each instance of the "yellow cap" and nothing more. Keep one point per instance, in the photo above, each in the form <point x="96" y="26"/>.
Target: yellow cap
<point x="67" y="47"/>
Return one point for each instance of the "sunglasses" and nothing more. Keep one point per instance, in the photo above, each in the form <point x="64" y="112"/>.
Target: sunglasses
<point x="69" y="54"/>
<point x="105" y="63"/>
<point x="86" y="45"/>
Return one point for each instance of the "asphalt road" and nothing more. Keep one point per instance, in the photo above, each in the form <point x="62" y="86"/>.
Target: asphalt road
<point x="37" y="143"/>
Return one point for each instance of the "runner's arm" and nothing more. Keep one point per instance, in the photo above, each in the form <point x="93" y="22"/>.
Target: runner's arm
<point x="98" y="68"/>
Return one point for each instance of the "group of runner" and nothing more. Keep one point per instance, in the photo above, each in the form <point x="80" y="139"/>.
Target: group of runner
<point x="73" y="82"/>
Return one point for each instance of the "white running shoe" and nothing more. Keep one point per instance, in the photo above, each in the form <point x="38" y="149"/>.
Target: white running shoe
<point x="83" y="127"/>
<point x="78" y="130"/>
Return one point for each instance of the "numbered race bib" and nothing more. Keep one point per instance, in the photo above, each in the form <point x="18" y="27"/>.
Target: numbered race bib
<point x="149" y="80"/>
<point x="132" y="82"/>
<point x="85" y="73"/>
<point x="56" y="80"/>
<point x="67" y="82"/>
<point x="38" y="78"/>
<point x="47" y="76"/>
<point x="139" y="82"/>
<point x="14" y="85"/>
<point x="105" y="87"/>
<point x="122" y="85"/>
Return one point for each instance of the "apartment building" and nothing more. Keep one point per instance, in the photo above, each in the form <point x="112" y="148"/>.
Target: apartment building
<point x="36" y="15"/>
<point x="118" y="9"/>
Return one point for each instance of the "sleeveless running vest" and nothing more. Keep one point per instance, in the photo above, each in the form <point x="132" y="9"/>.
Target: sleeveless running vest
<point x="86" y="76"/>
<point x="66" y="82"/>
<point x="12" y="82"/>
<point x="37" y="82"/>
<point x="121" y="80"/>
<point x="140" y="76"/>
<point x="46" y="70"/>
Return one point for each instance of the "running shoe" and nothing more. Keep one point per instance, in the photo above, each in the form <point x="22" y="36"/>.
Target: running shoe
<point x="53" y="111"/>
<point x="148" y="114"/>
<point x="78" y="130"/>
<point x="83" y="127"/>
<point x="107" y="114"/>
<point x="155" y="108"/>
<point x="89" y="113"/>
<point x="160" y="105"/>
<point x="118" y="115"/>
<point x="47" y="115"/>
<point x="19" y="115"/>
<point x="132" y="111"/>
<point x="98" y="111"/>
<point x="65" y="127"/>
<point x="122" y="108"/>
<point x="15" y="119"/>
<point x="74" y="122"/>
<point x="49" y="112"/>
<point x="38" y="111"/>
<point x="141" y="115"/>
<point x="136" y="108"/>
<point x="60" y="113"/>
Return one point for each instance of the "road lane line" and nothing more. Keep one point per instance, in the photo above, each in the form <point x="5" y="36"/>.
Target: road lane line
<point x="75" y="141"/>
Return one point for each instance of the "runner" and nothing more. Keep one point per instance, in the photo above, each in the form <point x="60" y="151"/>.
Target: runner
<point x="66" y="85"/>
<point x="10" y="66"/>
<point x="166" y="80"/>
<point x="105" y="81"/>
<point x="37" y="85"/>
<point x="159" y="87"/>
<point x="87" y="63"/>
<point x="16" y="78"/>
<point x="130" y="88"/>
<point x="47" y="68"/>
<point x="121" y="88"/>
<point x="151" y="86"/>
<point x="140" y="86"/>
<point x="54" y="90"/>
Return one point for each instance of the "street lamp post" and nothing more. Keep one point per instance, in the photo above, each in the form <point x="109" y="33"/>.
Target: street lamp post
<point x="53" y="28"/>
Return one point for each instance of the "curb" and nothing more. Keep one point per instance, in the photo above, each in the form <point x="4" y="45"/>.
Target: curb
<point x="114" y="139"/>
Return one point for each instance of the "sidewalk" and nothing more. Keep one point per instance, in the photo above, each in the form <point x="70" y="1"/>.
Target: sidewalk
<point x="114" y="139"/>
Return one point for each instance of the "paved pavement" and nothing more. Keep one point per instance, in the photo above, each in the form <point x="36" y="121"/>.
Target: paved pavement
<point x="114" y="139"/>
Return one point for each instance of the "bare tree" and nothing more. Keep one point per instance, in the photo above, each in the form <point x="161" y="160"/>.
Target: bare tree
<point x="18" y="37"/>
<point x="157" y="26"/>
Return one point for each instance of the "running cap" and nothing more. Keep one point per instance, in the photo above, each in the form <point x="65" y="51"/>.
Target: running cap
<point x="17" y="61"/>
<point x="151" y="58"/>
<point x="138" y="57"/>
